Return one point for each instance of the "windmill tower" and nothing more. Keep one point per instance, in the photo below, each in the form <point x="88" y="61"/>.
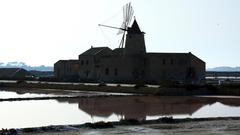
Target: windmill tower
<point x="132" y="37"/>
<point x="135" y="43"/>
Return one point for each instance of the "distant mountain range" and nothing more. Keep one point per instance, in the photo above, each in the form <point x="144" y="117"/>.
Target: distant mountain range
<point x="25" y="66"/>
<point x="225" y="68"/>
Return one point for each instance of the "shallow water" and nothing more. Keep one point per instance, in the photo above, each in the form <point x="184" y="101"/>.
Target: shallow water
<point x="42" y="113"/>
<point x="10" y="94"/>
<point x="35" y="113"/>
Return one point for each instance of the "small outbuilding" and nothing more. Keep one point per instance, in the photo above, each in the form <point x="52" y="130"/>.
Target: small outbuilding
<point x="15" y="73"/>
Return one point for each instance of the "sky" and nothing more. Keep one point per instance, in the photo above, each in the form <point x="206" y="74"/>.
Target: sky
<point x="41" y="32"/>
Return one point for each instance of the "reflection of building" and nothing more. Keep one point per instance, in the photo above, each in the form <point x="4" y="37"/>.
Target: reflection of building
<point x="138" y="107"/>
<point x="131" y="64"/>
<point x="231" y="101"/>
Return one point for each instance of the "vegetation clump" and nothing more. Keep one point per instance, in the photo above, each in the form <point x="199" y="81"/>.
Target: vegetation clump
<point x="137" y="86"/>
<point x="29" y="130"/>
<point x="100" y="124"/>
<point x="102" y="84"/>
<point x="167" y="120"/>
<point x="130" y="122"/>
<point x="8" y="132"/>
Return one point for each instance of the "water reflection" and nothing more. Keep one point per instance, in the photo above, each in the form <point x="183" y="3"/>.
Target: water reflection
<point x="140" y="107"/>
<point x="32" y="113"/>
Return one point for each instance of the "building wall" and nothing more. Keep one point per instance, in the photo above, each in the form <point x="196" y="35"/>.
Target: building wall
<point x="199" y="67"/>
<point x="90" y="65"/>
<point x="152" y="67"/>
<point x="121" y="68"/>
<point x="135" y="45"/>
<point x="67" y="69"/>
<point x="168" y="67"/>
<point x="86" y="67"/>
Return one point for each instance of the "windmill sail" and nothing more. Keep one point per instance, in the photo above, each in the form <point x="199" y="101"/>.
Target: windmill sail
<point x="127" y="17"/>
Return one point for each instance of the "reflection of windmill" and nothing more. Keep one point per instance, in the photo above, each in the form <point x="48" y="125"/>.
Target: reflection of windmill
<point x="127" y="17"/>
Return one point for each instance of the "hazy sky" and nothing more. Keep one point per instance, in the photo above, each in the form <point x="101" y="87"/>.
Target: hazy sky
<point x="44" y="31"/>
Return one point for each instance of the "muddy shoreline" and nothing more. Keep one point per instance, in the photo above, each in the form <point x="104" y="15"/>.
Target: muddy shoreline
<point x="230" y="125"/>
<point x="176" y="90"/>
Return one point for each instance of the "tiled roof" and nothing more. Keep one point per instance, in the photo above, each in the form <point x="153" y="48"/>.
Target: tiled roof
<point x="94" y="50"/>
<point x="118" y="51"/>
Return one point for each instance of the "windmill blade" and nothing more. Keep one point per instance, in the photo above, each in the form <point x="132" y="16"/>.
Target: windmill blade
<point x="127" y="17"/>
<point x="129" y="14"/>
<point x="124" y="13"/>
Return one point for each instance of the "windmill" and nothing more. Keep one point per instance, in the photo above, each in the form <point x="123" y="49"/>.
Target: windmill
<point x="127" y="17"/>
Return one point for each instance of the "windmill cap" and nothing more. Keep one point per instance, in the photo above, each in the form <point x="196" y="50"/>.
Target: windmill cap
<point x="135" y="28"/>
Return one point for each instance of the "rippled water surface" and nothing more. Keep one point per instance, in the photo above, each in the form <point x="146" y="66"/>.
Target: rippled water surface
<point x="34" y="113"/>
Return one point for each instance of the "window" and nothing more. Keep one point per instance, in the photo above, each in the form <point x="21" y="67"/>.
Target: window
<point x="86" y="62"/>
<point x="115" y="71"/>
<point x="164" y="61"/>
<point x="106" y="71"/>
<point x="171" y="61"/>
<point x="87" y="72"/>
<point x="82" y="62"/>
<point x="181" y="62"/>
<point x="143" y="73"/>
<point x="135" y="74"/>
<point x="145" y="61"/>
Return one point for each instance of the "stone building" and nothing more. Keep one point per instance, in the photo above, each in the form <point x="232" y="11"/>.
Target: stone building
<point x="15" y="73"/>
<point x="67" y="70"/>
<point x="131" y="64"/>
